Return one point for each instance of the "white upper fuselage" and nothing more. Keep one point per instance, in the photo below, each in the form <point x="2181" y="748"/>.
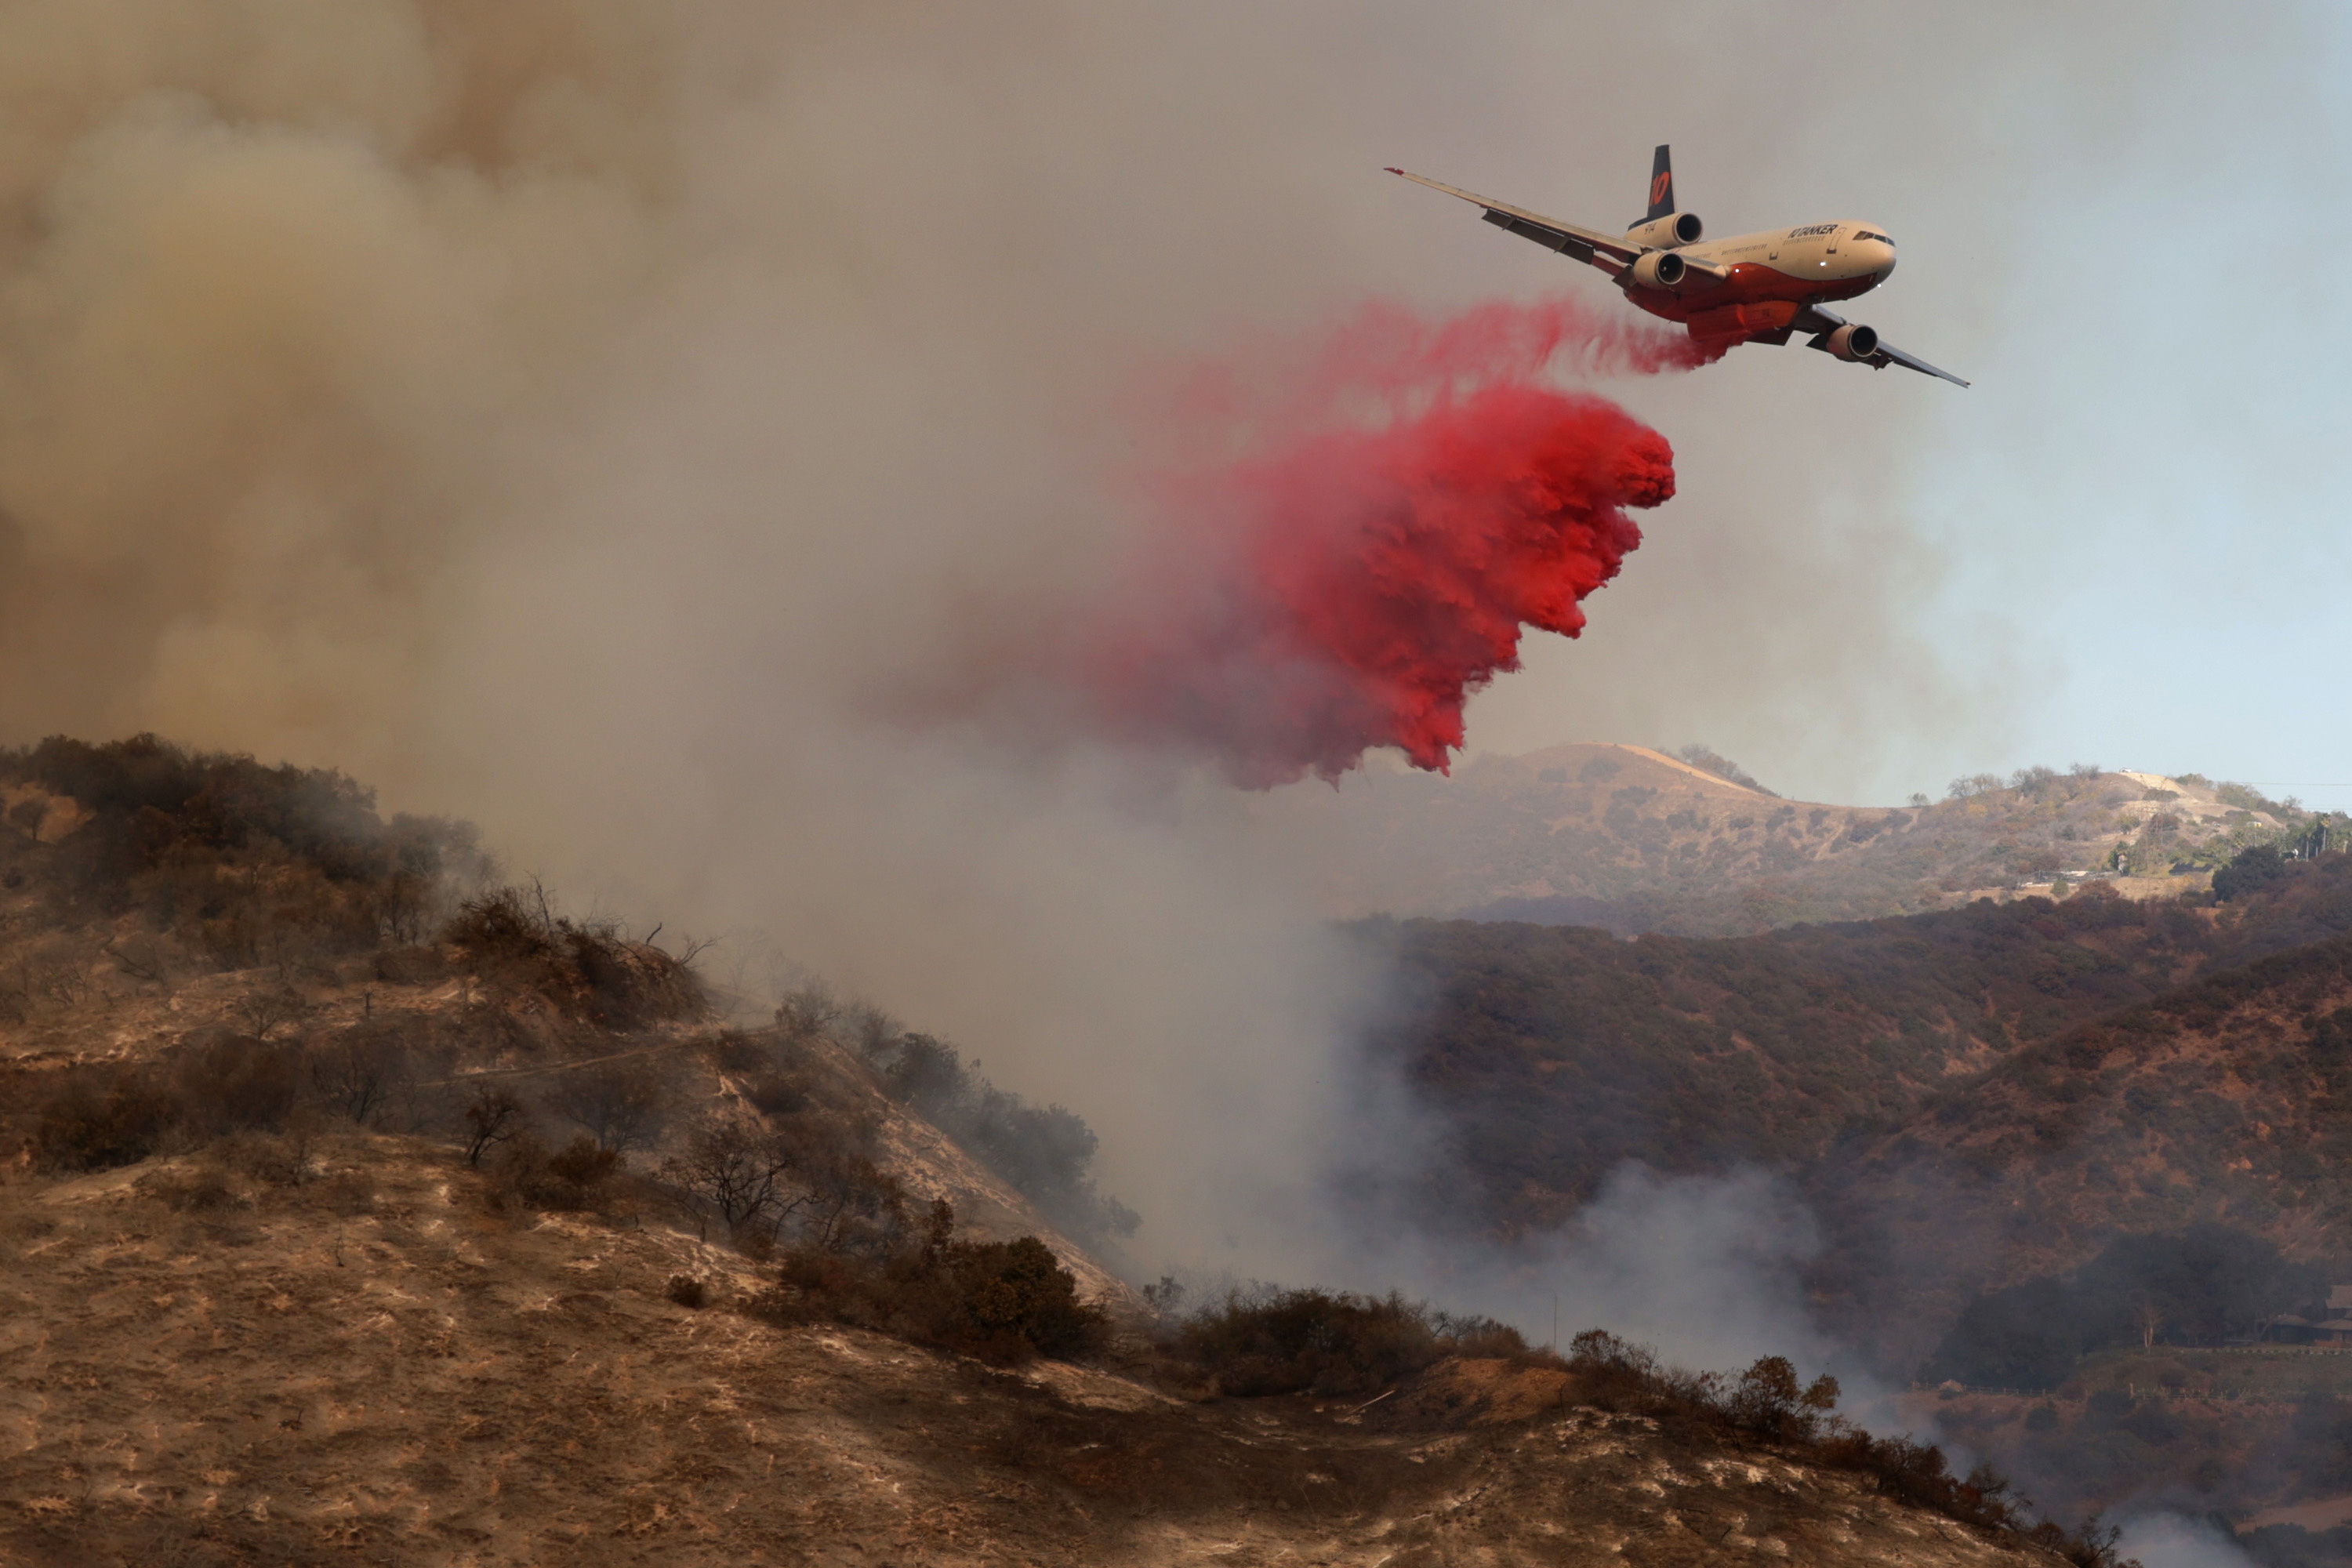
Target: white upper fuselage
<point x="1838" y="252"/>
<point x="1750" y="284"/>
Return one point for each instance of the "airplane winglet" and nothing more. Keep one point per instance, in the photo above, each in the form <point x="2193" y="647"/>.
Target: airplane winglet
<point x="1386" y="170"/>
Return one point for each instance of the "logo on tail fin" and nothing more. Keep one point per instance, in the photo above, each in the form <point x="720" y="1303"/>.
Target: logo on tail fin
<point x="1661" y="185"/>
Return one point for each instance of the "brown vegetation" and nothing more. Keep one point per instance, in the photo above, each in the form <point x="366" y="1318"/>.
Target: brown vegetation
<point x="283" y="1373"/>
<point x="513" y="939"/>
<point x="400" y="1312"/>
<point x="2218" y="1102"/>
<point x="1767" y="1403"/>
<point x="1321" y="1341"/>
<point x="201" y="860"/>
<point x="1003" y="1301"/>
<point x="1557" y="1054"/>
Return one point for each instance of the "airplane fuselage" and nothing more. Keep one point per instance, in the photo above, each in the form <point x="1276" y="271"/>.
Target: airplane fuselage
<point x="1749" y="288"/>
<point x="1773" y="275"/>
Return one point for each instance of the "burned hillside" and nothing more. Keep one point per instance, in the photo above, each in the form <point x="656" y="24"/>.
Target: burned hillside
<point x="403" y="1214"/>
<point x="188" y="920"/>
<point x="1553" y="1054"/>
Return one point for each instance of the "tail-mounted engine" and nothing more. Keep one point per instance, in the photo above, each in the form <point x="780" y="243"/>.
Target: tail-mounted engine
<point x="1674" y="228"/>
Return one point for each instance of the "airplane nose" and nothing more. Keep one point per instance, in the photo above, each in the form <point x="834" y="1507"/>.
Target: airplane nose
<point x="1885" y="259"/>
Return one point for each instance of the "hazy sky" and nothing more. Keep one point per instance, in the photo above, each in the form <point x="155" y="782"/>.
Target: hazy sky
<point x="583" y="415"/>
<point x="2110" y="548"/>
<point x="2116" y="220"/>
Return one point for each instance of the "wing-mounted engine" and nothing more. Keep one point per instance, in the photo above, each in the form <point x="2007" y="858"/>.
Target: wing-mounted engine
<point x="1660" y="233"/>
<point x="1673" y="271"/>
<point x="1855" y="343"/>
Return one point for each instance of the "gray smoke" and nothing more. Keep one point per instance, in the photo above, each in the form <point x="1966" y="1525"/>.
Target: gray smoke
<point x="575" y="414"/>
<point x="2172" y="1540"/>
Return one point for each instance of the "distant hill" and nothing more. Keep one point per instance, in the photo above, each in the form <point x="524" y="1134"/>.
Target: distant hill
<point x="1913" y="1059"/>
<point x="1630" y="839"/>
<point x="2226" y="1100"/>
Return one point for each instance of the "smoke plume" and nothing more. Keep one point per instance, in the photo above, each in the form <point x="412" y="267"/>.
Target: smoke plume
<point x="571" y="414"/>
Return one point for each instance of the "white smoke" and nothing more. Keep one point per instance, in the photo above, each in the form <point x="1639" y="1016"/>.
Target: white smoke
<point x="2174" y="1540"/>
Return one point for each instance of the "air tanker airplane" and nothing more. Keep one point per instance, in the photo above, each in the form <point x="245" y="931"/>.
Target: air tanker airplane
<point x="1751" y="288"/>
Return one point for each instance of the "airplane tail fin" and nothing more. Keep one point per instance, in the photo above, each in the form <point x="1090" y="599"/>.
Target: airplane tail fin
<point x="1662" y="187"/>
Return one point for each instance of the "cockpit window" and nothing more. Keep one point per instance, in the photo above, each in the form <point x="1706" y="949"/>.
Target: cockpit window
<point x="1867" y="233"/>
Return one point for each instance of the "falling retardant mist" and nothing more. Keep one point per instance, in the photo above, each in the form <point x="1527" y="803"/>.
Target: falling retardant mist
<point x="1348" y="536"/>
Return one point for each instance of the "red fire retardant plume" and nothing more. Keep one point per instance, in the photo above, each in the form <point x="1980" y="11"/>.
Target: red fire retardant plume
<point x="1408" y="499"/>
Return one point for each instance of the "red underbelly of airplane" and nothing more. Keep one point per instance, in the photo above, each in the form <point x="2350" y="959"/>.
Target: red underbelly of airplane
<point x="1753" y="299"/>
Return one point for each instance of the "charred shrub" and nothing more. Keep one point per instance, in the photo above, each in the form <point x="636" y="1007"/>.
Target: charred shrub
<point x="1046" y="1152"/>
<point x="512" y="935"/>
<point x="254" y="864"/>
<point x="732" y="1168"/>
<point x="778" y="1093"/>
<point x="809" y="1180"/>
<point x="580" y="1168"/>
<point x="619" y="1104"/>
<point x="236" y="1083"/>
<point x="199" y="1190"/>
<point x="741" y="1051"/>
<point x="99" y="1118"/>
<point x="1323" y="1341"/>
<point x="360" y="1073"/>
<point x="1003" y="1301"/>
<point x="279" y="1160"/>
<point x="527" y="1174"/>
<point x="1767" y="1403"/>
<point x="492" y="1116"/>
<point x="269" y="1008"/>
<point x="1015" y="1299"/>
<point x="349" y="1191"/>
<point x="1616" y="1374"/>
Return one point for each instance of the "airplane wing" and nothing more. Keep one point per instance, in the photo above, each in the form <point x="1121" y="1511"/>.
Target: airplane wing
<point x="1815" y="320"/>
<point x="1547" y="232"/>
<point x="1913" y="362"/>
